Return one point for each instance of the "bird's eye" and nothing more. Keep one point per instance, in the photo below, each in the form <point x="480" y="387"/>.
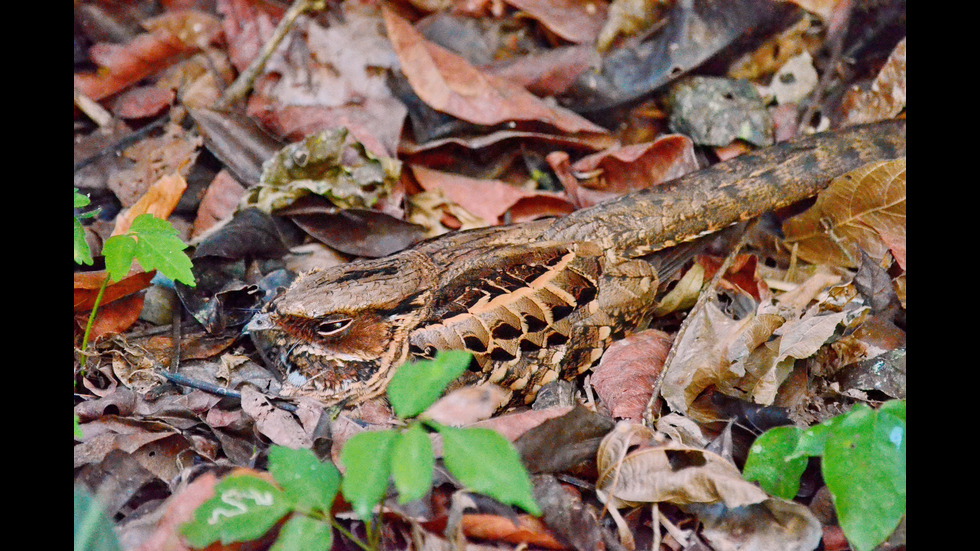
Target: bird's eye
<point x="332" y="327"/>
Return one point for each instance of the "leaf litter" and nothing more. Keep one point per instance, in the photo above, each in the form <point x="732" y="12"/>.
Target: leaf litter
<point x="804" y="323"/>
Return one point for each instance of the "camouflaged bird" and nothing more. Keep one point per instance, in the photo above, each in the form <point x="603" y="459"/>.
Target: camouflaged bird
<point x="538" y="301"/>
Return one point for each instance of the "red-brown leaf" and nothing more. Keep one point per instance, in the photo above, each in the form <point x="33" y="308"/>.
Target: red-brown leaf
<point x="449" y="83"/>
<point x="620" y="170"/>
<point x="626" y="373"/>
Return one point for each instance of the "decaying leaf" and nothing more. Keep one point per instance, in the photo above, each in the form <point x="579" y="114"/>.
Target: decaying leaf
<point x="126" y="64"/>
<point x="666" y="472"/>
<point x="862" y="210"/>
<point x="153" y="158"/>
<point x="717" y="111"/>
<point x="438" y="215"/>
<point x="886" y="98"/>
<point x="776" y="51"/>
<point x="628" y="18"/>
<point x="326" y="164"/>
<point x="747" y="358"/>
<point x="772" y="525"/>
<point x="277" y="424"/>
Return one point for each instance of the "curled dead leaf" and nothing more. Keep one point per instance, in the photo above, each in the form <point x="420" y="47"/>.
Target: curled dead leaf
<point x="635" y="468"/>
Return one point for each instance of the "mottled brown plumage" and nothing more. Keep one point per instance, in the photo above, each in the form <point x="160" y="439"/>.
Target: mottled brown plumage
<point x="537" y="301"/>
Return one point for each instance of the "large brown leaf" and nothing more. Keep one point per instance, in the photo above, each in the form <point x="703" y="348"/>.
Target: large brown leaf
<point x="450" y="84"/>
<point x="864" y="209"/>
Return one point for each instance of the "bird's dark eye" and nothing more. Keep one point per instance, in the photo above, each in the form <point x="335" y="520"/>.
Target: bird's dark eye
<point x="332" y="327"/>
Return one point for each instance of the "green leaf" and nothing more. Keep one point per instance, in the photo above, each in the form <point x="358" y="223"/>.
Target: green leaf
<point x="309" y="482"/>
<point x="485" y="462"/>
<point x="301" y="533"/>
<point x="864" y="467"/>
<point x="769" y="464"/>
<point x="415" y="386"/>
<point x="81" y="200"/>
<point x="813" y="439"/>
<point x="243" y="508"/>
<point x="78" y="430"/>
<point x="119" y="252"/>
<point x="367" y="458"/>
<point x="83" y="254"/>
<point x="413" y="464"/>
<point x="894" y="407"/>
<point x="159" y="248"/>
<point x="93" y="529"/>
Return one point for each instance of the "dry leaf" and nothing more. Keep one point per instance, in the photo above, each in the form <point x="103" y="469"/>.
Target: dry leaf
<point x="886" y="98"/>
<point x="450" y="84"/>
<point x="219" y="202"/>
<point x="528" y="530"/>
<point x="467" y="405"/>
<point x="625" y="375"/>
<point x="487" y="199"/>
<point x="701" y="357"/>
<point x="619" y="170"/>
<point x="577" y="21"/>
<point x="160" y="200"/>
<point x="153" y="158"/>
<point x="864" y="209"/>
<point x="772" y="525"/>
<point x="277" y="424"/>
<point x="670" y="472"/>
<point x="125" y="65"/>
<point x="144" y="101"/>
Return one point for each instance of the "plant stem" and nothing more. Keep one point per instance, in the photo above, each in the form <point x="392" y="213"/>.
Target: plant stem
<point x="91" y="319"/>
<point x="357" y="541"/>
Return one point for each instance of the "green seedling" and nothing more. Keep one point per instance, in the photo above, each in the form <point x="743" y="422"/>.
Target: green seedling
<point x="481" y="459"/>
<point x="151" y="242"/>
<point x="862" y="460"/>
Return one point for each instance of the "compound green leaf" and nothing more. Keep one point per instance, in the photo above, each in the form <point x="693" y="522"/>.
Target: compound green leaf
<point x="119" y="252"/>
<point x="367" y="459"/>
<point x="415" y="386"/>
<point x="83" y="254"/>
<point x="159" y="248"/>
<point x="485" y="462"/>
<point x="769" y="463"/>
<point x="302" y="533"/>
<point x="412" y="464"/>
<point x="243" y="508"/>
<point x="309" y="482"/>
<point x="864" y="467"/>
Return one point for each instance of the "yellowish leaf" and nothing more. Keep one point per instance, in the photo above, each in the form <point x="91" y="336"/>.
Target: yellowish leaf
<point x="864" y="209"/>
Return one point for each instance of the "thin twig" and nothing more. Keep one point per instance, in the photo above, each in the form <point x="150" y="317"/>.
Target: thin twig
<point x="175" y="333"/>
<point x="846" y="7"/>
<point x="178" y="379"/>
<point x="706" y="292"/>
<point x="243" y="84"/>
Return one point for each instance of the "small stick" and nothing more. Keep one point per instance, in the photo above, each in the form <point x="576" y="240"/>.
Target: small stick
<point x="178" y="379"/>
<point x="243" y="84"/>
<point x="648" y="415"/>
